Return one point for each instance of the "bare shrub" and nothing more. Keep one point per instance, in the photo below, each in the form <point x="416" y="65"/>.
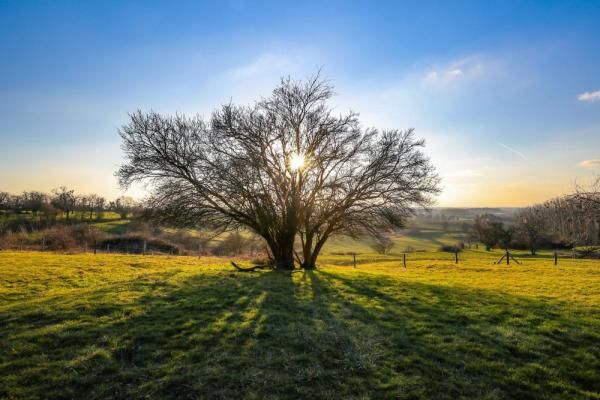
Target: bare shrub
<point x="233" y="244"/>
<point x="381" y="243"/>
<point x="59" y="238"/>
<point x="409" y="249"/>
<point x="138" y="244"/>
<point x="452" y="248"/>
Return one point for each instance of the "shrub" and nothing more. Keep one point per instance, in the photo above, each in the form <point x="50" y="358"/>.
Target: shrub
<point x="381" y="243"/>
<point x="135" y="244"/>
<point x="58" y="238"/>
<point x="87" y="235"/>
<point x="409" y="249"/>
<point x="233" y="244"/>
<point x="448" y="248"/>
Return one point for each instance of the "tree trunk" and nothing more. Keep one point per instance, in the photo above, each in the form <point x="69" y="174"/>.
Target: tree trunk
<point x="283" y="253"/>
<point x="311" y="254"/>
<point x="307" y="252"/>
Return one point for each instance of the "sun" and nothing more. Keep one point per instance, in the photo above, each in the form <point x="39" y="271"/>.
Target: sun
<point x="296" y="162"/>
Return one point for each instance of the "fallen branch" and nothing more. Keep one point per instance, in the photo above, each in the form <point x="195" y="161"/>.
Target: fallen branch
<point x="249" y="269"/>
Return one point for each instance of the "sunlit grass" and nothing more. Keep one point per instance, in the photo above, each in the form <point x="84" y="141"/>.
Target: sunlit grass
<point x="118" y="326"/>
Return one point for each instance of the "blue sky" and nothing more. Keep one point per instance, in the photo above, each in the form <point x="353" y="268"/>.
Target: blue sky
<point x="506" y="94"/>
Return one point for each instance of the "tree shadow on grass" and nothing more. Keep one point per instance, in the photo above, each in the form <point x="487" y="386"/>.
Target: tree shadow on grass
<point x="477" y="343"/>
<point x="310" y="335"/>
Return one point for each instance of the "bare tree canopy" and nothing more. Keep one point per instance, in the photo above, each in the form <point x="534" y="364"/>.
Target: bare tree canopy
<point x="286" y="168"/>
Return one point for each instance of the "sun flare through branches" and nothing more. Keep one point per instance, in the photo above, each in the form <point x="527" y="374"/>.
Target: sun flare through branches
<point x="296" y="162"/>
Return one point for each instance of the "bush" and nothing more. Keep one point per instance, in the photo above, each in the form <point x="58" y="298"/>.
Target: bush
<point x="409" y="249"/>
<point x="86" y="235"/>
<point x="233" y="244"/>
<point x="14" y="241"/>
<point x="135" y="244"/>
<point x="58" y="238"/>
<point x="448" y="248"/>
<point x="381" y="243"/>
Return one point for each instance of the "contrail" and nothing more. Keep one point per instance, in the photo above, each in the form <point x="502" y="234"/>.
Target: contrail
<point x="517" y="152"/>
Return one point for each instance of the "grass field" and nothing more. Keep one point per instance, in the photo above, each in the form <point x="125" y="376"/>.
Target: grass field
<point x="119" y="326"/>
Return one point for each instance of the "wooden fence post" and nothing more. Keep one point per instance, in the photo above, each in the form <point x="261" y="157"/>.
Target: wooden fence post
<point x="507" y="257"/>
<point x="354" y="258"/>
<point x="456" y="257"/>
<point x="555" y="257"/>
<point x="404" y="259"/>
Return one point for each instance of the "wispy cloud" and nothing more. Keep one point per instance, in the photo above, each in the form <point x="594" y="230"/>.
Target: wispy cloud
<point x="589" y="97"/>
<point x="467" y="67"/>
<point x="514" y="151"/>
<point x="268" y="63"/>
<point x="590" y="163"/>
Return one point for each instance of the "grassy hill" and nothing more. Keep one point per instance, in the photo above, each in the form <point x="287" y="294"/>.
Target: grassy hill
<point x="119" y="326"/>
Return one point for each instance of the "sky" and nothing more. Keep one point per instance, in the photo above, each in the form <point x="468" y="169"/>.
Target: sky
<point x="506" y="94"/>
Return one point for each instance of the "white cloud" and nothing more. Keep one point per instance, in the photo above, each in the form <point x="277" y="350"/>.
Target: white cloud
<point x="468" y="67"/>
<point x="455" y="72"/>
<point x="589" y="96"/>
<point x="590" y="163"/>
<point x="268" y="64"/>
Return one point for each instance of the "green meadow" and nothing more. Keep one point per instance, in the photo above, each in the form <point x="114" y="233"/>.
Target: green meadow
<point x="127" y="326"/>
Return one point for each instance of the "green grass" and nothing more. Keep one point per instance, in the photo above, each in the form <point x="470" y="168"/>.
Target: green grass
<point x="115" y="227"/>
<point x="117" y="326"/>
<point x="419" y="239"/>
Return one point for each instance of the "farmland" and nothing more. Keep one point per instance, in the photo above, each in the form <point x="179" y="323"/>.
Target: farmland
<point x="130" y="326"/>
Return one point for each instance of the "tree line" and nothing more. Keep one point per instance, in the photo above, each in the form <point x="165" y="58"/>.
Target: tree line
<point x="38" y="210"/>
<point x="569" y="221"/>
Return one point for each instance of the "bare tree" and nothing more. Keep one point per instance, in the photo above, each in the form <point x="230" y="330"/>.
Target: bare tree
<point x="381" y="243"/>
<point x="93" y="204"/>
<point x="489" y="230"/>
<point x="589" y="205"/>
<point x="124" y="206"/>
<point x="5" y="201"/>
<point x="283" y="168"/>
<point x="65" y="200"/>
<point x="532" y="225"/>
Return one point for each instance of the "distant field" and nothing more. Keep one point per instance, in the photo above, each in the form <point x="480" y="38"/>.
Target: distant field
<point x="118" y="326"/>
<point x="423" y="239"/>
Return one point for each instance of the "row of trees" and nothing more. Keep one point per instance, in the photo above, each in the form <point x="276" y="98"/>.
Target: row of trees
<point x="63" y="203"/>
<point x="564" y="222"/>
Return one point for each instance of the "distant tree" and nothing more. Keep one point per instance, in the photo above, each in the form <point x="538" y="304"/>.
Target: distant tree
<point x="49" y="214"/>
<point x="531" y="224"/>
<point x="589" y="200"/>
<point x="381" y="243"/>
<point x="506" y="235"/>
<point x="286" y="168"/>
<point x="489" y="230"/>
<point x="4" y="201"/>
<point x="124" y="206"/>
<point x="16" y="203"/>
<point x="92" y="204"/>
<point x="34" y="201"/>
<point x="65" y="200"/>
<point x="232" y="244"/>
